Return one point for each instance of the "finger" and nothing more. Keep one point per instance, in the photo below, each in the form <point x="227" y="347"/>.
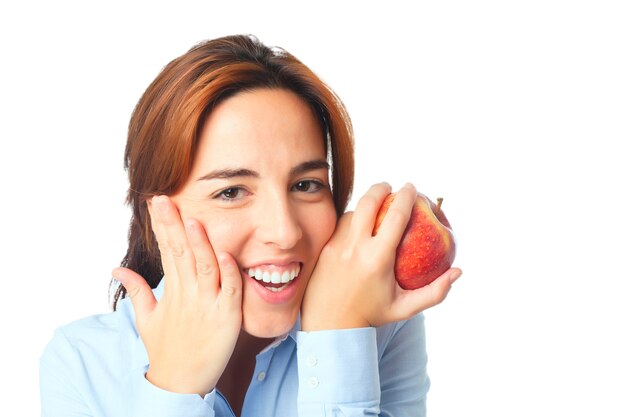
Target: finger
<point x="342" y="228"/>
<point x="411" y="302"/>
<point x="207" y="269"/>
<point x="367" y="209"/>
<point x="230" y="282"/>
<point x="138" y="290"/>
<point x="176" y="251"/>
<point x="398" y="216"/>
<point x="169" y="270"/>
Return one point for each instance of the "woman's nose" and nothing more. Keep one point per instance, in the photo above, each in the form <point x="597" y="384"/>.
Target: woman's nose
<point x="279" y="224"/>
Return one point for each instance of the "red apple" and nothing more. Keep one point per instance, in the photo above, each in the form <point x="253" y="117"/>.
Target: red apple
<point x="427" y="248"/>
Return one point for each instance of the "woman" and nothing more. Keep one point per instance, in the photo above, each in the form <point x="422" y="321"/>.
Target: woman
<point x="240" y="163"/>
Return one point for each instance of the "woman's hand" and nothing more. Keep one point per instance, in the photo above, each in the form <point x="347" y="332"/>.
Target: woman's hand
<point x="191" y="332"/>
<point x="353" y="284"/>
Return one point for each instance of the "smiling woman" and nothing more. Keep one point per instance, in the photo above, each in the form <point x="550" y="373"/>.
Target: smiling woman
<point x="164" y="130"/>
<point x="246" y="290"/>
<point x="268" y="178"/>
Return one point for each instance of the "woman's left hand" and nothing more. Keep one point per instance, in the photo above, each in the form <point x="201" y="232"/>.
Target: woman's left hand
<point x="353" y="284"/>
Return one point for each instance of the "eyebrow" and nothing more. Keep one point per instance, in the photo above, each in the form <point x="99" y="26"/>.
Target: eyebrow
<point x="243" y="172"/>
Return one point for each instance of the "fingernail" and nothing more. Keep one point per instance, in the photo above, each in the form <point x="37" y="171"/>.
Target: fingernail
<point x="409" y="185"/>
<point x="222" y="258"/>
<point x="189" y="225"/>
<point x="158" y="201"/>
<point x="116" y="276"/>
<point x="456" y="274"/>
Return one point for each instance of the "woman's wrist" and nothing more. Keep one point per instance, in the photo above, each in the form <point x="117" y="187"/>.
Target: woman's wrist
<point x="178" y="384"/>
<point x="317" y="322"/>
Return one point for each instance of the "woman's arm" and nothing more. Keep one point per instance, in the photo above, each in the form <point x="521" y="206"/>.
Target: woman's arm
<point x="58" y="387"/>
<point x="87" y="370"/>
<point x="338" y="373"/>
<point x="404" y="381"/>
<point x="352" y="291"/>
<point x="364" y="372"/>
<point x="191" y="332"/>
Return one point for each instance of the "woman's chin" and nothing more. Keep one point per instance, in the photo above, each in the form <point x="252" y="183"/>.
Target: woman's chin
<point x="269" y="315"/>
<point x="264" y="328"/>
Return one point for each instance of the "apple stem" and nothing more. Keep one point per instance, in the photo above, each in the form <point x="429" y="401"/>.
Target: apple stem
<point x="439" y="202"/>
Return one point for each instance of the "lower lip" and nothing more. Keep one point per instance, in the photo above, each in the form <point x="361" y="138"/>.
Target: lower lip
<point x="278" y="297"/>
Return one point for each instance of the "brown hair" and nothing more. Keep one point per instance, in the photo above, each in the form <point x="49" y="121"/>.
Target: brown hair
<point x="164" y="128"/>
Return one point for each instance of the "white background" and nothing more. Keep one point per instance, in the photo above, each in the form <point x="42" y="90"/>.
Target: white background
<point x="513" y="111"/>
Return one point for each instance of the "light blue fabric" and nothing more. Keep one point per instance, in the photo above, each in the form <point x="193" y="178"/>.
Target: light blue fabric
<point x="96" y="367"/>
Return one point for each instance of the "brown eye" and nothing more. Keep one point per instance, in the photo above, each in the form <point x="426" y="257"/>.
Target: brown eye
<point x="303" y="186"/>
<point x="308" y="186"/>
<point x="231" y="193"/>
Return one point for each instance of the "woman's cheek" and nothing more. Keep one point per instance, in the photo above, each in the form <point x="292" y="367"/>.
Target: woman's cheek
<point x="226" y="234"/>
<point x="326" y="227"/>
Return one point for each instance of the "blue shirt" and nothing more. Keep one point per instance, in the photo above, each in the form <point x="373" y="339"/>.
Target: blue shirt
<point x="96" y="367"/>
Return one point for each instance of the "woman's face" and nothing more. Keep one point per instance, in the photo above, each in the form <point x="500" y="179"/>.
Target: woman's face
<point x="259" y="184"/>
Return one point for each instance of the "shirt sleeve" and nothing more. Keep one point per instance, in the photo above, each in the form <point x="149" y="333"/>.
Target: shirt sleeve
<point x="403" y="377"/>
<point x="72" y="386"/>
<point x="363" y="372"/>
<point x="156" y="402"/>
<point x="58" y="392"/>
<point x="338" y="373"/>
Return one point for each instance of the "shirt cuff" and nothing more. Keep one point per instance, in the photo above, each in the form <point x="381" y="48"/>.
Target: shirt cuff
<point x="157" y="402"/>
<point x="338" y="367"/>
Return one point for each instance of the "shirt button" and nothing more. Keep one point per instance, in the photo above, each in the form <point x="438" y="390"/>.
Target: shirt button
<point x="313" y="382"/>
<point x="261" y="376"/>
<point x="311" y="361"/>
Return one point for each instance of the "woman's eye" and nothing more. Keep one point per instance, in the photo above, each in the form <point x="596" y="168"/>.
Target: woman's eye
<point x="308" y="186"/>
<point x="230" y="193"/>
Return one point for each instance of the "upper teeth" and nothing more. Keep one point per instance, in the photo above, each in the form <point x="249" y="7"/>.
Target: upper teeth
<point x="273" y="276"/>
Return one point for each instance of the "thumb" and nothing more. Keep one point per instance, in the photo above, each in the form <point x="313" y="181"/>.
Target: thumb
<point x="415" y="301"/>
<point x="138" y="290"/>
<point x="230" y="281"/>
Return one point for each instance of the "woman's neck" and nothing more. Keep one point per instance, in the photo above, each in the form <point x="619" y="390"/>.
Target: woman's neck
<point x="234" y="382"/>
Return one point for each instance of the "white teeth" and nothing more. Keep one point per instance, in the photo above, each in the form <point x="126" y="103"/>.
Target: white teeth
<point x="274" y="277"/>
<point x="276" y="289"/>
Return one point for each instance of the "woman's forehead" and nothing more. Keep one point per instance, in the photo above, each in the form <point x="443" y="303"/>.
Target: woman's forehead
<point x="272" y="122"/>
<point x="260" y="125"/>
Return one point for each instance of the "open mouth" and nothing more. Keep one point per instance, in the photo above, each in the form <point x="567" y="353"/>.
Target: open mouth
<point x="275" y="278"/>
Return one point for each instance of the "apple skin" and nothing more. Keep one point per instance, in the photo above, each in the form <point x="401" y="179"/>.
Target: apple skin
<point x="427" y="248"/>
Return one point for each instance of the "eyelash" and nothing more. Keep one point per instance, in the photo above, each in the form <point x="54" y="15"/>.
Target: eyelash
<point x="222" y="195"/>
<point x="320" y="185"/>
